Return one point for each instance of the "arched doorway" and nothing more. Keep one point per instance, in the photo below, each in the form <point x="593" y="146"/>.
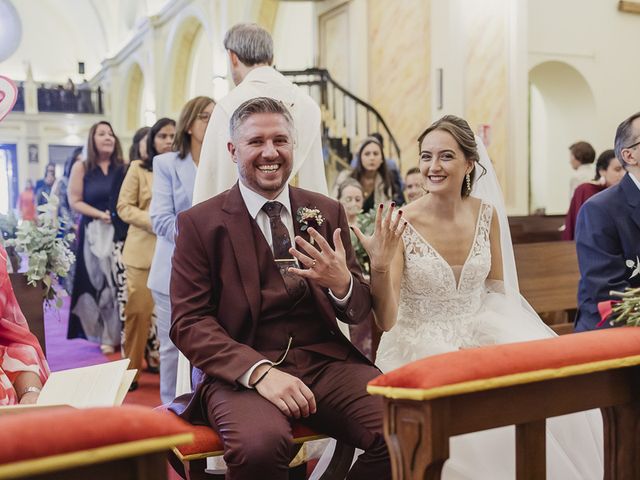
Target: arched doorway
<point x="134" y="114"/>
<point x="561" y="112"/>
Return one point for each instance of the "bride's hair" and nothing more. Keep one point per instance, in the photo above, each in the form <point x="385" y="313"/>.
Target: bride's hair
<point x="461" y="132"/>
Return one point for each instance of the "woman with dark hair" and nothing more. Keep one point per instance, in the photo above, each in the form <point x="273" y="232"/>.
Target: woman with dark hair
<point x="133" y="208"/>
<point x="443" y="279"/>
<point x="93" y="312"/>
<point x="609" y="172"/>
<point x="174" y="179"/>
<point x="372" y="173"/>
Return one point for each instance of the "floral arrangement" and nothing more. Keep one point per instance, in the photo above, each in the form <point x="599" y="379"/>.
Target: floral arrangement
<point x="624" y="311"/>
<point x="46" y="245"/>
<point x="309" y="217"/>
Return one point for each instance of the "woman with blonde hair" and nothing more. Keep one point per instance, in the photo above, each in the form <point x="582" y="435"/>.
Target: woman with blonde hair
<point x="175" y="174"/>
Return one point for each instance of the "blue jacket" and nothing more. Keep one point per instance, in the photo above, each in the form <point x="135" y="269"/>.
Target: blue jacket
<point x="608" y="246"/>
<point x="173" y="183"/>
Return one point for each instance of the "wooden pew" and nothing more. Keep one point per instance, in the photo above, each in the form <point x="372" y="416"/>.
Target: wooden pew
<point x="535" y="228"/>
<point x="30" y="299"/>
<point x="522" y="384"/>
<point x="548" y="276"/>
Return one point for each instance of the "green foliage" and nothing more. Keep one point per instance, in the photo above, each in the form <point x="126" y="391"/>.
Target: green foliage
<point x="46" y="246"/>
<point x="628" y="310"/>
<point x="367" y="223"/>
<point x="8" y="225"/>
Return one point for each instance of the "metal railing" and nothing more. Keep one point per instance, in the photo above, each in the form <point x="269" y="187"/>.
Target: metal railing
<point x="346" y="118"/>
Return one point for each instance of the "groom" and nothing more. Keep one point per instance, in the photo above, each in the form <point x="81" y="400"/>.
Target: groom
<point x="258" y="318"/>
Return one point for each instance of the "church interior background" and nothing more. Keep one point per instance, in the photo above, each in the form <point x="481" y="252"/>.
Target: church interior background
<point x="531" y="76"/>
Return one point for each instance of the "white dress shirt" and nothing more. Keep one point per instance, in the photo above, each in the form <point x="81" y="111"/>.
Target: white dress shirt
<point x="635" y="180"/>
<point x="254" y="203"/>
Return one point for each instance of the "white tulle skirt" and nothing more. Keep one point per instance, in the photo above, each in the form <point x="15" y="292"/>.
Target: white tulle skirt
<point x="574" y="442"/>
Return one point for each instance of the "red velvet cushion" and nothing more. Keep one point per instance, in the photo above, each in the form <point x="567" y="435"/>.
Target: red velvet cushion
<point x="500" y="360"/>
<point x="44" y="433"/>
<point x="207" y="440"/>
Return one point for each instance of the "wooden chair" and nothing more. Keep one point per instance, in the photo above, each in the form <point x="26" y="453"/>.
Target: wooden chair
<point x="521" y="384"/>
<point x="30" y="299"/>
<point x="127" y="443"/>
<point x="535" y="228"/>
<point x="548" y="276"/>
<point x="191" y="459"/>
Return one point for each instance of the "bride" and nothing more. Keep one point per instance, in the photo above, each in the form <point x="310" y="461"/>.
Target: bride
<point x="443" y="278"/>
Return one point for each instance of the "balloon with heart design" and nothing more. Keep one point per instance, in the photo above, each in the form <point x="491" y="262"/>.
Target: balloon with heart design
<point x="8" y="96"/>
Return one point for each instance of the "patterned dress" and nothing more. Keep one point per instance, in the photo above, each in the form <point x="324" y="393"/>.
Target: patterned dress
<point x="19" y="348"/>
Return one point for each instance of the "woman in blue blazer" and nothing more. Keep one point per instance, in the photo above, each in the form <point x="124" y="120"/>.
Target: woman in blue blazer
<point x="174" y="177"/>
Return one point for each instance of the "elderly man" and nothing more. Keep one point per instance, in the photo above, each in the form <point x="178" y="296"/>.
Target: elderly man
<point x="258" y="317"/>
<point x="608" y="232"/>
<point x="250" y="50"/>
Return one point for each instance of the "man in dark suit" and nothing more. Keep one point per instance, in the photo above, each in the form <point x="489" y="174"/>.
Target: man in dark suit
<point x="257" y="318"/>
<point x="608" y="232"/>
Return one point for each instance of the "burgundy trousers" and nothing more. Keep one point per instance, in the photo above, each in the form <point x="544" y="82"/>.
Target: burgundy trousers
<point x="257" y="436"/>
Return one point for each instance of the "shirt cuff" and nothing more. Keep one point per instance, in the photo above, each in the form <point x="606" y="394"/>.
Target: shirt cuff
<point x="342" y="302"/>
<point x="246" y="376"/>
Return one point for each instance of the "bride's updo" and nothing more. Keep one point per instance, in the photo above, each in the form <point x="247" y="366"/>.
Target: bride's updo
<point x="461" y="132"/>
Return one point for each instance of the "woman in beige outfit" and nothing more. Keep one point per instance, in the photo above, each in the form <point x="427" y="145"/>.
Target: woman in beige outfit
<point x="133" y="208"/>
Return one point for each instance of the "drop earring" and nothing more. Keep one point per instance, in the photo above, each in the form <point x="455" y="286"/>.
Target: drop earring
<point x="468" y="180"/>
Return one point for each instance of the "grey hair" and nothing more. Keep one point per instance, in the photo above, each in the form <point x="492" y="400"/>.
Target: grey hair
<point x="251" y="43"/>
<point x="255" y="106"/>
<point x="624" y="136"/>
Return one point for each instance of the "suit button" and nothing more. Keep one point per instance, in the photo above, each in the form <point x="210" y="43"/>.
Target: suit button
<point x="332" y="332"/>
<point x="351" y="312"/>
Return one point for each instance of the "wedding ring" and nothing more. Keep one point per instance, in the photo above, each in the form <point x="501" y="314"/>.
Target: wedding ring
<point x="313" y="264"/>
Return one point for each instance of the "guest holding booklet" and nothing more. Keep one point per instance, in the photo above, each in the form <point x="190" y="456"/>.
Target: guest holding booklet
<point x="23" y="367"/>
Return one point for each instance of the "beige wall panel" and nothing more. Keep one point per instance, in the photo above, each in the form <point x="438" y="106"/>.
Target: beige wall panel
<point x="399" y="66"/>
<point x="486" y="87"/>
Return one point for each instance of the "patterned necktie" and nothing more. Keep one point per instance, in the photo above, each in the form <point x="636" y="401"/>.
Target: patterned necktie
<point x="281" y="241"/>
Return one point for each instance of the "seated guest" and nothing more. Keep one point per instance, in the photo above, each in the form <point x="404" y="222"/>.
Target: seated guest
<point x="414" y="185"/>
<point x="351" y="196"/>
<point x="607" y="232"/>
<point x="581" y="157"/>
<point x="608" y="173"/>
<point x="372" y="173"/>
<point x="257" y="319"/>
<point x="23" y="368"/>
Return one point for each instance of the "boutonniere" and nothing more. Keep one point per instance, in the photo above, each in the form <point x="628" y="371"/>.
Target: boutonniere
<point x="634" y="265"/>
<point x="309" y="217"/>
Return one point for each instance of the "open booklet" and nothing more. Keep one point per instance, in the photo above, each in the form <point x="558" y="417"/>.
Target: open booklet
<point x="103" y="385"/>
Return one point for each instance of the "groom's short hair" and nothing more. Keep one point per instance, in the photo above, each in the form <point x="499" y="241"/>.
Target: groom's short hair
<point x="255" y="106"/>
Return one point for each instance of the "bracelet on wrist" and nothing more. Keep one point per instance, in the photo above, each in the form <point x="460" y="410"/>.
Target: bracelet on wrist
<point x="30" y="389"/>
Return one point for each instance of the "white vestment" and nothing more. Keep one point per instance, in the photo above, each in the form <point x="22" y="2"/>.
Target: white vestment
<point x="217" y="172"/>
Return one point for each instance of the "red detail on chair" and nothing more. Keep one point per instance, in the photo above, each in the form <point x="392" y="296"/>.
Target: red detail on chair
<point x="508" y="359"/>
<point x="44" y="433"/>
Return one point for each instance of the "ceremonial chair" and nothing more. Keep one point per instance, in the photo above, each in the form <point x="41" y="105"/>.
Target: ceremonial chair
<point x="522" y="384"/>
<point x="64" y="443"/>
<point x="192" y="457"/>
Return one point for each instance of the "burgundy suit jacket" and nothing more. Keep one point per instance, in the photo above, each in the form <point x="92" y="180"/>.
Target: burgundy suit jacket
<point x="215" y="284"/>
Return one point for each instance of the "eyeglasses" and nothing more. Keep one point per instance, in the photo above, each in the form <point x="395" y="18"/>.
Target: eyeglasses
<point x="632" y="146"/>
<point x="204" y="116"/>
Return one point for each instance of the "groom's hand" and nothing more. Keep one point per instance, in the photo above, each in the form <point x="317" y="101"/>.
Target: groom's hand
<point x="285" y="391"/>
<point x="326" y="266"/>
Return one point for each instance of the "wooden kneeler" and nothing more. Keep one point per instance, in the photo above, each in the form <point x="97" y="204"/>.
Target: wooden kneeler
<point x="521" y="384"/>
<point x="64" y="443"/>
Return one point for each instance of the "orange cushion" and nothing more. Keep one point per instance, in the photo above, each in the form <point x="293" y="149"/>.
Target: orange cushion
<point x="48" y="432"/>
<point x="206" y="440"/>
<point x="478" y="368"/>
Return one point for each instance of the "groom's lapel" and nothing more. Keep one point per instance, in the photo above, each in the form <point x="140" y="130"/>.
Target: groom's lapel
<point x="238" y="224"/>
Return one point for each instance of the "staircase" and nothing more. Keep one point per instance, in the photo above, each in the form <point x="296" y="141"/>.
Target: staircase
<point x="346" y="120"/>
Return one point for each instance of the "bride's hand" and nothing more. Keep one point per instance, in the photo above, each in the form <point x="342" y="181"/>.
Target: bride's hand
<point x="382" y="245"/>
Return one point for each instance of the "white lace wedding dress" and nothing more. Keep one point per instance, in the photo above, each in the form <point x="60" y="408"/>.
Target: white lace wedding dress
<point x="444" y="308"/>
